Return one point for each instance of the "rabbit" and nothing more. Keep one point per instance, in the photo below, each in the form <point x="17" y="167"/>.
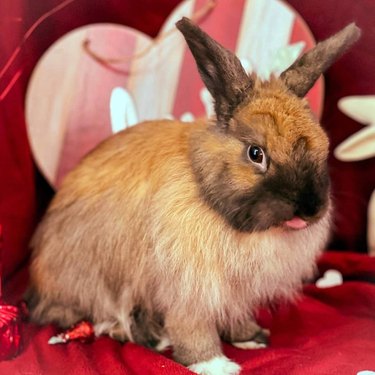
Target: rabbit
<point x="173" y="233"/>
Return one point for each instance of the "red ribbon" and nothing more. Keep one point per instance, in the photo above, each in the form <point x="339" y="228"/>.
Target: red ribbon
<point x="82" y="331"/>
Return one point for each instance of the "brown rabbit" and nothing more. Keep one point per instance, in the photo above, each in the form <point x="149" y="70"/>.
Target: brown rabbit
<point x="173" y="232"/>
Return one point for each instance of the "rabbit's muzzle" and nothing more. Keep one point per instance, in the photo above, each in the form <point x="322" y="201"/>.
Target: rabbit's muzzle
<point x="288" y="193"/>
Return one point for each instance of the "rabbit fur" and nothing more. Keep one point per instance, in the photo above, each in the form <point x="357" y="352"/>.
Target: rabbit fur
<point x="168" y="233"/>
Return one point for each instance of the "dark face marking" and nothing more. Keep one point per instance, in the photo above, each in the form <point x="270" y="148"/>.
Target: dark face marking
<point x="290" y="191"/>
<point x="279" y="197"/>
<point x="300" y="188"/>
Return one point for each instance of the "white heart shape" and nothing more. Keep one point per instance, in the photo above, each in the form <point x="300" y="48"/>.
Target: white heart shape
<point x="330" y="278"/>
<point x="366" y="372"/>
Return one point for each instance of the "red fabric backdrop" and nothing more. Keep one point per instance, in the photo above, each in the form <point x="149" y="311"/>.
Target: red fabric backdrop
<point x="329" y="331"/>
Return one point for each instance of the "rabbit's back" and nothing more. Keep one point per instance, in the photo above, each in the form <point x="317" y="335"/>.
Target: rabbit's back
<point x="96" y="235"/>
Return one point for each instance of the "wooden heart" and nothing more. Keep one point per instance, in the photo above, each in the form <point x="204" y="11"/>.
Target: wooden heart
<point x="73" y="102"/>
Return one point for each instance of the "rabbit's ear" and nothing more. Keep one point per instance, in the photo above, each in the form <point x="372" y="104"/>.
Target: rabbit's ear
<point x="220" y="69"/>
<point x="301" y="76"/>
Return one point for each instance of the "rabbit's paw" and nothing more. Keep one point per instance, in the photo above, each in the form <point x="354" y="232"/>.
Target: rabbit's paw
<point x="249" y="345"/>
<point x="258" y="341"/>
<point x="216" y="366"/>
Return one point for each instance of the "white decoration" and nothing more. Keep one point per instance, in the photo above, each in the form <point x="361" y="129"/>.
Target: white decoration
<point x="122" y="107"/>
<point x="122" y="110"/>
<point x="246" y="64"/>
<point x="187" y="117"/>
<point x="207" y="101"/>
<point x="359" y="146"/>
<point x="279" y="61"/>
<point x="330" y="278"/>
<point x="285" y="57"/>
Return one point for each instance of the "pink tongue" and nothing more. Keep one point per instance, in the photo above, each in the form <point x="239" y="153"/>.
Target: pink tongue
<point x="296" y="223"/>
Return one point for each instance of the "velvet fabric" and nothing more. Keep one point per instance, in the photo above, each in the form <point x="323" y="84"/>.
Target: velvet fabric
<point x="329" y="331"/>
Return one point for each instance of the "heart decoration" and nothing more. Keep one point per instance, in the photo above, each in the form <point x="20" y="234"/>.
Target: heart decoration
<point x="330" y="278"/>
<point x="73" y="101"/>
<point x="360" y="146"/>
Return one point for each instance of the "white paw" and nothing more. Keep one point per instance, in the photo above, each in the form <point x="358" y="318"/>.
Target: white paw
<point x="249" y="345"/>
<point x="216" y="366"/>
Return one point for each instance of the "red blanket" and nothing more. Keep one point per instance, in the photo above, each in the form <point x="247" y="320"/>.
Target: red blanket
<point x="328" y="331"/>
<point x="23" y="193"/>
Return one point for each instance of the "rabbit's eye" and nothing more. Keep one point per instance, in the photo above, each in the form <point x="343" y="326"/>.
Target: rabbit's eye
<point x="257" y="156"/>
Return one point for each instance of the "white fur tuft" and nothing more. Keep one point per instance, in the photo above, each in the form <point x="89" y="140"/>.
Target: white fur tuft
<point x="216" y="366"/>
<point x="163" y="344"/>
<point x="103" y="327"/>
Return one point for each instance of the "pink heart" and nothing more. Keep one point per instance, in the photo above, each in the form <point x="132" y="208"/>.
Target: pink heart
<point x="70" y="94"/>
